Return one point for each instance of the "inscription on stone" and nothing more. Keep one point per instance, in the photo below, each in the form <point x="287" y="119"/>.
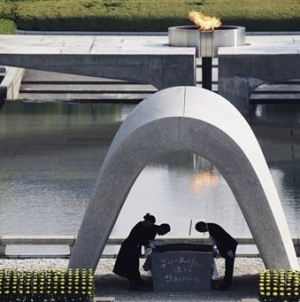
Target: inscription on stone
<point x="182" y="271"/>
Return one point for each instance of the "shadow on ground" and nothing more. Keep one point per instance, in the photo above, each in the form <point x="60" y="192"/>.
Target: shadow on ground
<point x="110" y="285"/>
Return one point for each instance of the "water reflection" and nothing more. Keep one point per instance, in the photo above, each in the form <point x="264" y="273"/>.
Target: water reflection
<point x="193" y="189"/>
<point x="203" y="179"/>
<point x="51" y="153"/>
<point x="178" y="191"/>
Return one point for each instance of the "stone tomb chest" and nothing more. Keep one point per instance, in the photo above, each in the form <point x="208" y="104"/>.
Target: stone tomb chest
<point x="182" y="267"/>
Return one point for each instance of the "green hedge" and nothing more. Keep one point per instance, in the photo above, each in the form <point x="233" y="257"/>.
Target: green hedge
<point x="145" y="15"/>
<point x="7" y="26"/>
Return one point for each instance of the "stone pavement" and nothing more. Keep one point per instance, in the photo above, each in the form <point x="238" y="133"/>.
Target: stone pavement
<point x="245" y="285"/>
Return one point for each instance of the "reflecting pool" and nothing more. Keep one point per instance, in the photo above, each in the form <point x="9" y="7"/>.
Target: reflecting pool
<point x="51" y="153"/>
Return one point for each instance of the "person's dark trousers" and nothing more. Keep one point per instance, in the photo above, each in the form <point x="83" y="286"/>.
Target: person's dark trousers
<point x="229" y="265"/>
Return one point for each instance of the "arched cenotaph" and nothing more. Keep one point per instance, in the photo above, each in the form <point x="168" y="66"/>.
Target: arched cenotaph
<point x="195" y="120"/>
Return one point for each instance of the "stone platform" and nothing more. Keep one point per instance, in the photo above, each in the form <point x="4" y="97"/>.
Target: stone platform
<point x="274" y="59"/>
<point x="142" y="59"/>
<point x="148" y="59"/>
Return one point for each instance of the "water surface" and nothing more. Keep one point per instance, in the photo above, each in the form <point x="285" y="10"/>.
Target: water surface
<point x="51" y="153"/>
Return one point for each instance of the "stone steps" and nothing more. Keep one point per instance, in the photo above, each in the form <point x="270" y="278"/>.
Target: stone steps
<point x="41" y="85"/>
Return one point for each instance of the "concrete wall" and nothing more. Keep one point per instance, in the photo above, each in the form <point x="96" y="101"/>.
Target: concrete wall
<point x="240" y="74"/>
<point x="10" y="86"/>
<point x="161" y="71"/>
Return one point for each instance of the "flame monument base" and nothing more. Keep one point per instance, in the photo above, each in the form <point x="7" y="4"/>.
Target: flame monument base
<point x="206" y="43"/>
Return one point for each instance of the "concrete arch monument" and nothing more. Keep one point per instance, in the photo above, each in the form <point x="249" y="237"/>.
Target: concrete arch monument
<point x="193" y="120"/>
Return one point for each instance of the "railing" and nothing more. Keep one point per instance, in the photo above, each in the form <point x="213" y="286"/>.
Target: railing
<point x="69" y="240"/>
<point x="35" y="240"/>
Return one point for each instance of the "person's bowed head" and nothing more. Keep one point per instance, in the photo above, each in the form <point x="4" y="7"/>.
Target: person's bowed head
<point x="163" y="229"/>
<point x="201" y="227"/>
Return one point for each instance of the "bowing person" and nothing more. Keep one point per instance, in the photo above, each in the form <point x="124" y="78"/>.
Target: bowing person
<point x="161" y="230"/>
<point x="226" y="246"/>
<point x="127" y="262"/>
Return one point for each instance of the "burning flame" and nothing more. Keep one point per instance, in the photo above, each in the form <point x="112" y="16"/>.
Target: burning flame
<point x="203" y="22"/>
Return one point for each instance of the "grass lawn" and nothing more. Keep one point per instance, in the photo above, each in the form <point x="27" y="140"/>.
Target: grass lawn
<point x="144" y="15"/>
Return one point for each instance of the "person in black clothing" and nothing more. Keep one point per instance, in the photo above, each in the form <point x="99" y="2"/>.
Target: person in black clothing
<point x="127" y="262"/>
<point x="226" y="246"/>
<point x="161" y="230"/>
